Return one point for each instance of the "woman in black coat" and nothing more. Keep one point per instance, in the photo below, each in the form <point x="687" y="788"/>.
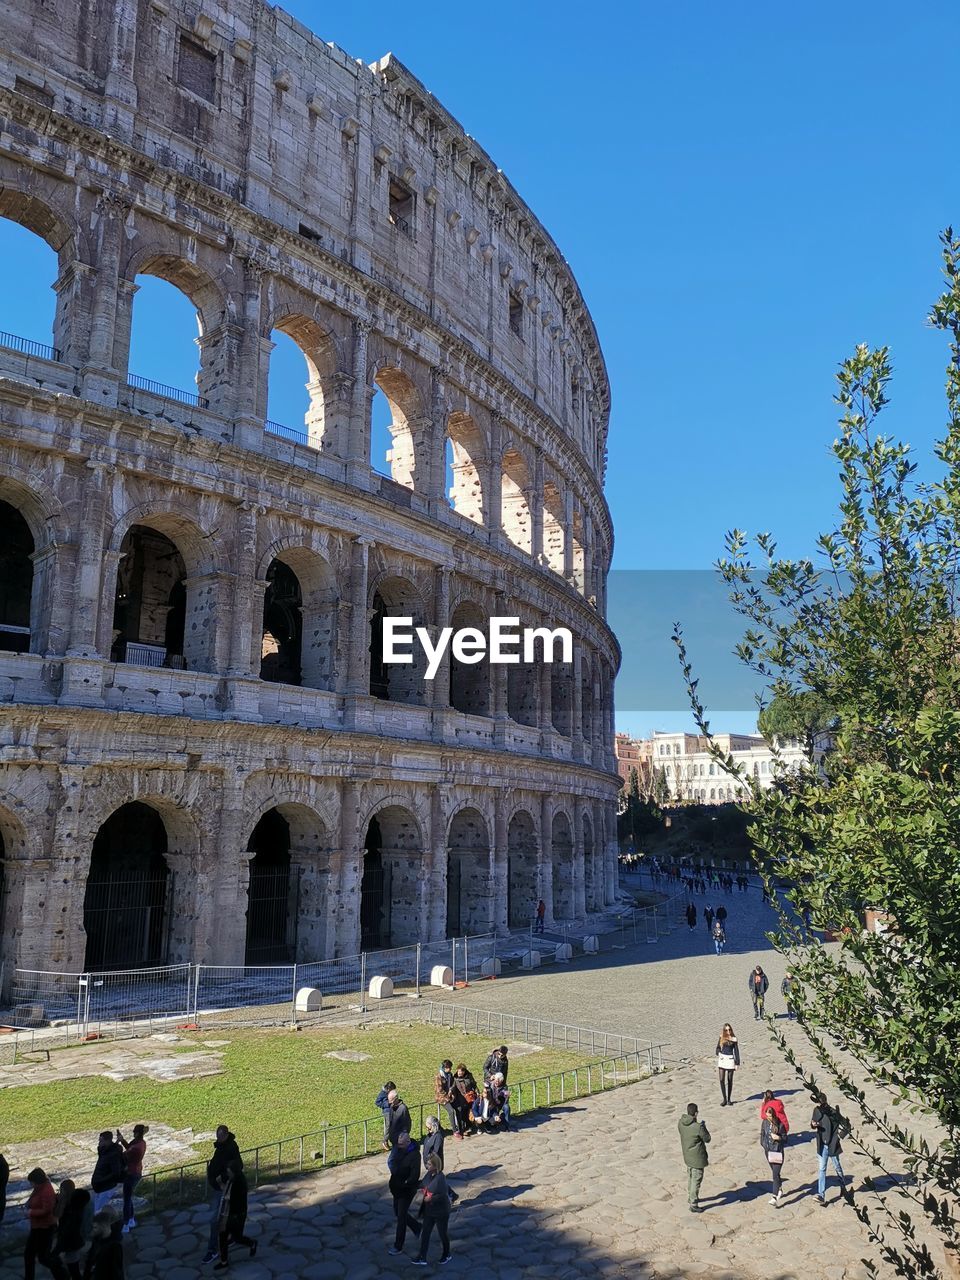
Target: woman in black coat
<point x="773" y="1140"/>
<point x="436" y="1211"/>
<point x="233" y="1214"/>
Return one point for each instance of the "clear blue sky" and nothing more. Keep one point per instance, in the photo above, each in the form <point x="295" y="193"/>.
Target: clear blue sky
<point x="744" y="193"/>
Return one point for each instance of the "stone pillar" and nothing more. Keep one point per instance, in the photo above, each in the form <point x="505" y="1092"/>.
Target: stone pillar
<point x="220" y="377"/>
<point x="108" y="592"/>
<point x="588" y="587"/>
<point x="346" y="911"/>
<point x="358" y="441"/>
<point x="433" y="883"/>
<point x="546" y="855"/>
<point x="244" y="659"/>
<point x="579" y="871"/>
<point x="101" y="357"/>
<point x="358" y="648"/>
<point x="576" y="703"/>
<point x="596" y="734"/>
<point x="535" y="502"/>
<point x="438" y="694"/>
<point x="333" y="439"/>
<point x="435" y="444"/>
<point x="501" y="863"/>
<point x="252" y="371"/>
<point x="90" y="557"/>
<point x="493" y="504"/>
<point x="568" y="534"/>
<point x="546" y="707"/>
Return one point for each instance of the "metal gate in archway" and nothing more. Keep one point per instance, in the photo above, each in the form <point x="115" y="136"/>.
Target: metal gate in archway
<point x="273" y="913"/>
<point x="127" y="921"/>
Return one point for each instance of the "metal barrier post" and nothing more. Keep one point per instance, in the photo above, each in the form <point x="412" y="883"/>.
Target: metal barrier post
<point x="418" y="970"/>
<point x="466" y="962"/>
<point x="293" y="997"/>
<point x="453" y="962"/>
<point x="363" y="981"/>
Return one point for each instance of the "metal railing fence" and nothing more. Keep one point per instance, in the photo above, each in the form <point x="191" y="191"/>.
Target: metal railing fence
<point x="171" y="393"/>
<point x="27" y="347"/>
<point x="297" y="435"/>
<point x="335" y="1144"/>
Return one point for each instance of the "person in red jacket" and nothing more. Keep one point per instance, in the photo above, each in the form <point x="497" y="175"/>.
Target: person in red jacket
<point x="774" y="1105"/>
<point x="41" y="1214"/>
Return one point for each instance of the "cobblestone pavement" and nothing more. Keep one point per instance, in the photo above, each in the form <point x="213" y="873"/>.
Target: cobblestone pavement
<point x="595" y="1187"/>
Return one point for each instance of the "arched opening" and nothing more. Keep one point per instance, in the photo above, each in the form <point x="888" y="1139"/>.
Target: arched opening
<point x="390" y="882"/>
<point x="295" y="406"/>
<point x="522" y="693"/>
<point x="167" y="354"/>
<point x="392" y="681"/>
<point x="514" y="505"/>
<point x="282" y="638"/>
<point x="470" y="681"/>
<point x="464" y="453"/>
<point x="394" y="421"/>
<point x="561" y="697"/>
<point x="126" y="906"/>
<point x="272" y="893"/>
<point x="27" y="309"/>
<point x="553" y="536"/>
<point x="298" y="639"/>
<point x="16" y="579"/>
<point x="522" y="870"/>
<point x="470" y="889"/>
<point x="562" y="859"/>
<point x="150" y="605"/>
<point x="591" y="873"/>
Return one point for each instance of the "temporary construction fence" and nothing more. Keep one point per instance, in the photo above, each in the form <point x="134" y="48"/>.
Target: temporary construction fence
<point x="61" y="1008"/>
<point x="632" y="1060"/>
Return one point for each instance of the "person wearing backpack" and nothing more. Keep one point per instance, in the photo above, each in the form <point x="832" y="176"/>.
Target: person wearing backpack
<point x="830" y="1126"/>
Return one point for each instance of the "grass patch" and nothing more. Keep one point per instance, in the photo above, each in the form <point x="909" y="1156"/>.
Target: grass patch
<point x="275" y="1084"/>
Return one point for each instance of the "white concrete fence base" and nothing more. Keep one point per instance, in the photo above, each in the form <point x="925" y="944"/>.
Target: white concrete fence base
<point x="441" y="975"/>
<point x="309" y="1000"/>
<point x="381" y="988"/>
<point x="531" y="960"/>
<point x="490" y="968"/>
<point x="563" y="953"/>
<point x="591" y="944"/>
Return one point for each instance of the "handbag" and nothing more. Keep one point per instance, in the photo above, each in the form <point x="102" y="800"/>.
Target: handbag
<point x="470" y="1095"/>
<point x="775" y="1157"/>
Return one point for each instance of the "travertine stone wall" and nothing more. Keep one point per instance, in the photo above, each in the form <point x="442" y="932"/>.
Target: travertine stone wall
<point x="281" y="185"/>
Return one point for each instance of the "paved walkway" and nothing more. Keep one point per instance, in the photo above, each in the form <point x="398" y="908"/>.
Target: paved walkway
<point x="596" y="1187"/>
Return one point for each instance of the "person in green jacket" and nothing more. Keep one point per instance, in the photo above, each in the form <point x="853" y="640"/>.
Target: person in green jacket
<point x="694" y="1136"/>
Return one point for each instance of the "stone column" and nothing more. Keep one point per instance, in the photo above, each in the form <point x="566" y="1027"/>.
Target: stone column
<point x="87" y="589"/>
<point x="546" y="707"/>
<point x="493" y="504"/>
<point x="546" y="855"/>
<point x="576" y="703"/>
<point x="251" y="375"/>
<point x="433" y="884"/>
<point x="358" y="440"/>
<point x="438" y="694"/>
<point x="435" y="443"/>
<point x="579" y="876"/>
<point x="568" y="534"/>
<point x="535" y="501"/>
<point x="97" y="293"/>
<point x="346" y="911"/>
<point x="108" y="592"/>
<point x="501" y="863"/>
<point x="358" y="648"/>
<point x="332" y="433"/>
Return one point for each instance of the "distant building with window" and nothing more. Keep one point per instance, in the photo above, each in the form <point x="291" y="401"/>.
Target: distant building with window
<point x="690" y="771"/>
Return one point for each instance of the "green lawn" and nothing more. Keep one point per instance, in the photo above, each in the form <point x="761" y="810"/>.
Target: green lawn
<point x="276" y="1084"/>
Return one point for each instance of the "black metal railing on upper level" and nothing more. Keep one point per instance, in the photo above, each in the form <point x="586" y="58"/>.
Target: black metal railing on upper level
<point x="171" y="393"/>
<point x="297" y="434"/>
<point x="27" y="347"/>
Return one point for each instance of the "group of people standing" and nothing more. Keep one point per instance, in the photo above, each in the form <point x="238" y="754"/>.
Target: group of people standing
<point x="75" y="1232"/>
<point x="716" y="922"/>
<point x="423" y="1203"/>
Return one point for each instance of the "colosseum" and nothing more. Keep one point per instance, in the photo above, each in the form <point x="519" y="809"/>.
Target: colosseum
<point x="204" y="756"/>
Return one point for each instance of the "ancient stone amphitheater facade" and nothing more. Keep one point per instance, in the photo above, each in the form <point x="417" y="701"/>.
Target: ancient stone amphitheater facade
<point x="201" y="756"/>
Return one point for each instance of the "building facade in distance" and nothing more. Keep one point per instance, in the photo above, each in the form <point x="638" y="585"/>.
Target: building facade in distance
<point x="689" y="771"/>
<point x="202" y="756"/>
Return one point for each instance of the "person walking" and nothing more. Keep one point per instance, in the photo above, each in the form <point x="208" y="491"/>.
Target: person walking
<point x="722" y="915"/>
<point x="541" y="914"/>
<point x="436" y="1211"/>
<point x="774" y="1105"/>
<point x="233" y="1215"/>
<point x="74" y="1230"/>
<point x="692" y="917"/>
<point x="133" y="1153"/>
<point x="41" y="1217"/>
<point x="382" y="1103"/>
<point x="757" y="983"/>
<point x="728" y="1059"/>
<point x="108" y="1171"/>
<point x="225" y="1151"/>
<point x="432" y="1145"/>
<point x="829" y="1125"/>
<point x="708" y="917"/>
<point x="786" y="990"/>
<point x="4" y="1179"/>
<point x="719" y="937"/>
<point x="694" y="1136"/>
<point x="773" y="1140"/>
<point x="404" y="1165"/>
<point x="443" y="1089"/>
<point x="399" y="1118"/>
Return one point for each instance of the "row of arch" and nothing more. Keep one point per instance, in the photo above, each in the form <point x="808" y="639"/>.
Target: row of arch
<point x="422" y="439"/>
<point x="159" y="608"/>
<point x="139" y="885"/>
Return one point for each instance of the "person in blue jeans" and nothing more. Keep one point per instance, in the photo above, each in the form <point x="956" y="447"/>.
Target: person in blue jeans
<point x="719" y="937"/>
<point x="828" y="1124"/>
